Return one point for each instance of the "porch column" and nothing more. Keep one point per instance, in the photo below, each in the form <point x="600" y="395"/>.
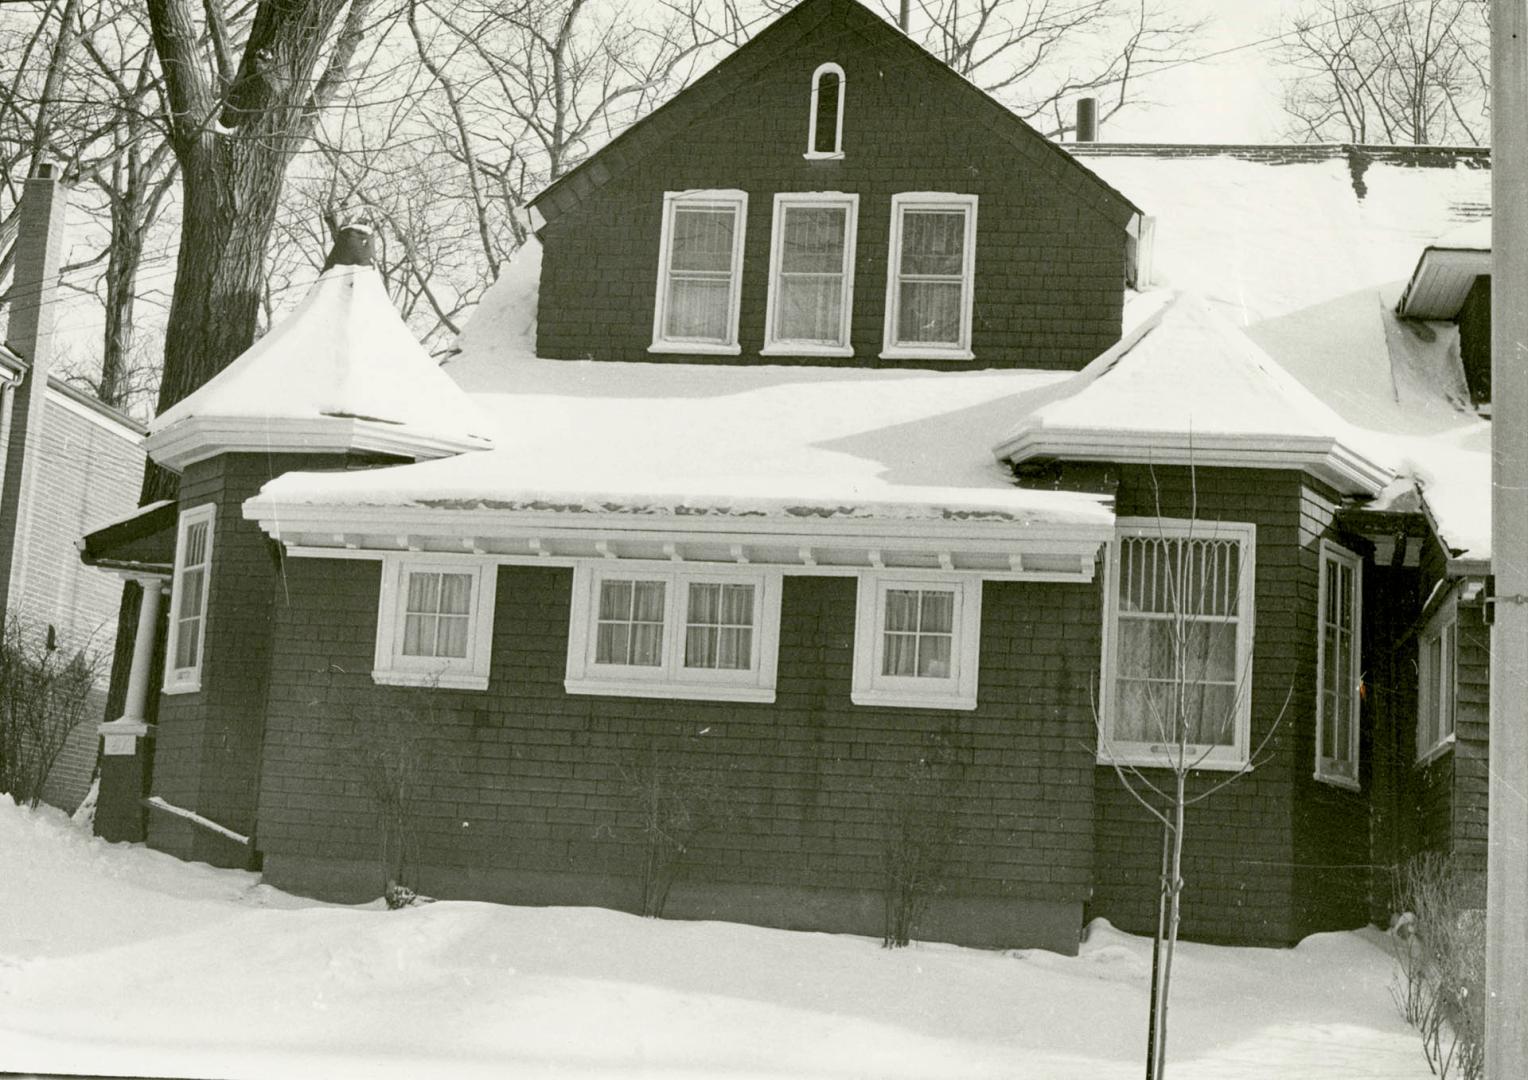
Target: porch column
<point x="124" y="751"/>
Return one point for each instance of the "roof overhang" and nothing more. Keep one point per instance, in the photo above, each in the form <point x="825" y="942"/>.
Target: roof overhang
<point x="1441" y="281"/>
<point x="142" y="544"/>
<point x="1006" y="549"/>
<point x="1326" y="458"/>
<point x="198" y="438"/>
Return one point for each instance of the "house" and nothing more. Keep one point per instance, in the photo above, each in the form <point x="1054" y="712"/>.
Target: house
<point x="816" y="468"/>
<point x="67" y="463"/>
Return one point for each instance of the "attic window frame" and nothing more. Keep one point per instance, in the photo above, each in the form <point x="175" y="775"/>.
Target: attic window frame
<point x="936" y="201"/>
<point x="1341" y="772"/>
<point x="707" y="199"/>
<point x="392" y="667"/>
<point x="188" y="679"/>
<point x="837" y="153"/>
<point x="836" y="200"/>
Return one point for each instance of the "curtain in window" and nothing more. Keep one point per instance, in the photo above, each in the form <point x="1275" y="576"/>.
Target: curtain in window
<point x="1176" y="652"/>
<point x="919" y="633"/>
<point x="699" y="304"/>
<point x="436" y="614"/>
<point x="719" y="627"/>
<point x="931" y="277"/>
<point x="809" y="294"/>
<point x="193" y="583"/>
<point x="630" y="624"/>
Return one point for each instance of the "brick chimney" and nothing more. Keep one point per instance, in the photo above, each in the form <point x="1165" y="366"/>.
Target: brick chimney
<point x="30" y="305"/>
<point x="352" y="246"/>
<point x="1087" y="120"/>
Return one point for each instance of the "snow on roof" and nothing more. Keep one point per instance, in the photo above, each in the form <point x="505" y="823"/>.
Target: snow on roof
<point x="1307" y="254"/>
<point x="692" y="438"/>
<point x="1188" y="385"/>
<point x="1471" y="236"/>
<point x="343" y="353"/>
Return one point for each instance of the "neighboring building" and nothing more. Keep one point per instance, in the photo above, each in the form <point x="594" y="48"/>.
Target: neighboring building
<point x="67" y="462"/>
<point x="818" y="460"/>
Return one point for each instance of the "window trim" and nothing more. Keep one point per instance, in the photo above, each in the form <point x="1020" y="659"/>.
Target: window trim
<point x="391" y="668"/>
<point x="729" y="198"/>
<point x="672" y="679"/>
<point x="837" y="153"/>
<point x="891" y="349"/>
<point x="793" y="347"/>
<point x="188" y="680"/>
<point x="1443" y="627"/>
<point x="870" y="687"/>
<point x="1329" y="770"/>
<point x="1227" y="758"/>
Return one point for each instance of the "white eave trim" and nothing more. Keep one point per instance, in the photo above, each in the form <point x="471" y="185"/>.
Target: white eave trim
<point x="1466" y="263"/>
<point x="197" y="438"/>
<point x="1322" y="456"/>
<point x="1050" y="551"/>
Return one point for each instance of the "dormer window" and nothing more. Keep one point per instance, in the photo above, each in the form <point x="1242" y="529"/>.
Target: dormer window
<point x="825" y="131"/>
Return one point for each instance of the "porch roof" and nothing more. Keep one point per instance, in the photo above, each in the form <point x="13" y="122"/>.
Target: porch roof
<point x="142" y="542"/>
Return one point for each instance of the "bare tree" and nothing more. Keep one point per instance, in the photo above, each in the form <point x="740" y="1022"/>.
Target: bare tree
<point x="1037" y="56"/>
<point x="1410" y="72"/>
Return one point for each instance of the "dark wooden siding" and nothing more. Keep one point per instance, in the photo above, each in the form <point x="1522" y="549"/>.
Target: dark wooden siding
<point x="1475" y="339"/>
<point x="527" y="780"/>
<point x="1050" y="264"/>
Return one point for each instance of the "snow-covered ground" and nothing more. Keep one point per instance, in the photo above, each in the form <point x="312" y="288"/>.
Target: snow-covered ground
<point x="118" y="960"/>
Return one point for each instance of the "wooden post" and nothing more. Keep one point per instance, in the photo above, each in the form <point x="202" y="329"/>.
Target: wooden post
<point x="1507" y="858"/>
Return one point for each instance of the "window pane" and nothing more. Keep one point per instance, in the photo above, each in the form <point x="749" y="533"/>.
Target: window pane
<point x="700" y="647"/>
<point x="196" y="544"/>
<point x="829" y="86"/>
<point x="191" y="593"/>
<point x="455" y="594"/>
<point x="934" y="656"/>
<point x="929" y="311"/>
<point x="933" y="242"/>
<point x="1211" y="714"/>
<point x="615" y="600"/>
<point x="737" y="605"/>
<point x="424" y="593"/>
<point x="699" y="308"/>
<point x="419" y="635"/>
<point x="451" y="639"/>
<point x="611" y="643"/>
<point x="705" y="603"/>
<point x="734" y="650"/>
<point x="810" y="308"/>
<point x="901" y="610"/>
<point x="938" y="612"/>
<point x="901" y="655"/>
<point x="646" y="645"/>
<point x="702" y="240"/>
<point x="647" y="601"/>
<point x="812" y="239"/>
<point x="186" y="643"/>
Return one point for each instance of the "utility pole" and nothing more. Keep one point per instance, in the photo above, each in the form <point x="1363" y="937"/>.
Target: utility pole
<point x="1507" y="858"/>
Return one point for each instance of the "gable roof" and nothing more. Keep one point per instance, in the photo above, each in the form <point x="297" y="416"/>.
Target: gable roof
<point x="1188" y="387"/>
<point x="732" y="76"/>
<point x="341" y="371"/>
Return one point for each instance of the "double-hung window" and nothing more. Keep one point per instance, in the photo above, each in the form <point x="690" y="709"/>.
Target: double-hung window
<point x="435" y="623"/>
<point x="811" y="274"/>
<point x="659" y="632"/>
<point x="1337" y="674"/>
<point x="1437" y="665"/>
<point x="188" y="600"/>
<point x="917" y="641"/>
<point x="1178" y="643"/>
<point x="700" y="271"/>
<point x="931" y="276"/>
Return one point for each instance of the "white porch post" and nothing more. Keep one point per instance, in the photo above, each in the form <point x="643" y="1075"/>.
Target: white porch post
<point x="122" y="734"/>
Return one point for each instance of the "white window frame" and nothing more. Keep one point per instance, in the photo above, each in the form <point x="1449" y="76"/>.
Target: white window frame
<point x="1433" y="741"/>
<point x="837" y="153"/>
<point x="774" y="346"/>
<point x="390" y="667"/>
<point x="188" y="680"/>
<point x="1150" y="754"/>
<point x="871" y="687"/>
<point x="672" y="679"/>
<point x="730" y="199"/>
<point x="1342" y="773"/>
<point x="891" y="349"/>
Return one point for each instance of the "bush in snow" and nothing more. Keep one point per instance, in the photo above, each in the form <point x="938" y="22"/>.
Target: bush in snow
<point x="1440" y="951"/>
<point x="921" y="832"/>
<point x="394" y="764"/>
<point x="44" y="693"/>
<point x="677" y="801"/>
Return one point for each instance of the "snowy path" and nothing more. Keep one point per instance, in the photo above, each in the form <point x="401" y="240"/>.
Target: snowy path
<point x="116" y="959"/>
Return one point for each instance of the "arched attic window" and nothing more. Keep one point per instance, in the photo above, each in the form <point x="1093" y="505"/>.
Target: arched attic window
<point x="825" y="131"/>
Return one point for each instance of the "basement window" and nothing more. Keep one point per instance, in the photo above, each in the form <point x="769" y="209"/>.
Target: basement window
<point x="1178" y="643"/>
<point x="930" y="277"/>
<point x="825" y="123"/>
<point x="435" y="623"/>
<point x="700" y="272"/>
<point x="917" y="641"/>
<point x="1437" y="667"/>
<point x="672" y="633"/>
<point x="1337" y="677"/>
<point x="188" y="591"/>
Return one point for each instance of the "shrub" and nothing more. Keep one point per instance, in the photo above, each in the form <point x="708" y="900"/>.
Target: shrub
<point x="394" y="763"/>
<point x="44" y="693"/>
<point x="1440" y="950"/>
<point x="676" y="802"/>
<point x="921" y="831"/>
